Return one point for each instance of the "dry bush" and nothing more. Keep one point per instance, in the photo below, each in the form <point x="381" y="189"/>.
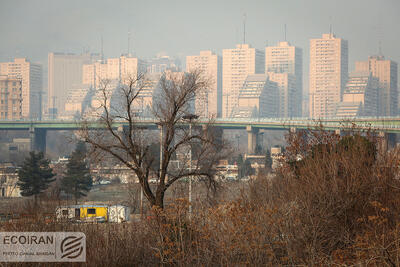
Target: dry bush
<point x="325" y="198"/>
<point x="335" y="201"/>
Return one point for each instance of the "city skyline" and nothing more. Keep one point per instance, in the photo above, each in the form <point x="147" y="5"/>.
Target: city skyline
<point x="75" y="26"/>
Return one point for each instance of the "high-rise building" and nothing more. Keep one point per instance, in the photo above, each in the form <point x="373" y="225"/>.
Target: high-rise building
<point x="237" y="64"/>
<point x="30" y="75"/>
<point x="78" y="100"/>
<point x="161" y="63"/>
<point x="121" y="69"/>
<point x="64" y="72"/>
<point x="386" y="72"/>
<point x="285" y="58"/>
<point x="208" y="103"/>
<point x="287" y="101"/>
<point x="360" y="97"/>
<point x="10" y="98"/>
<point x="328" y="74"/>
<point x="258" y="98"/>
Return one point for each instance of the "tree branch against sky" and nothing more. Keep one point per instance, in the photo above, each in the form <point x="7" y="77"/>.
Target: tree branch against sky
<point x="131" y="144"/>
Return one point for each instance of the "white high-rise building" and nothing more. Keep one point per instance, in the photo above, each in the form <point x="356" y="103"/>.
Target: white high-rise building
<point x="30" y="75"/>
<point x="285" y="58"/>
<point x="111" y="75"/>
<point x="208" y="103"/>
<point x="121" y="69"/>
<point x="64" y="72"/>
<point x="360" y="98"/>
<point x="386" y="72"/>
<point x="288" y="100"/>
<point x="328" y="74"/>
<point x="237" y="64"/>
<point x="258" y="98"/>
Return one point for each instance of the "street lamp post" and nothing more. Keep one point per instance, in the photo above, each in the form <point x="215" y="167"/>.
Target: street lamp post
<point x="190" y="118"/>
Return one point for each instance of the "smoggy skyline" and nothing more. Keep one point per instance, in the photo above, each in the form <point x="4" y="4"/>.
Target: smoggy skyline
<point x="32" y="29"/>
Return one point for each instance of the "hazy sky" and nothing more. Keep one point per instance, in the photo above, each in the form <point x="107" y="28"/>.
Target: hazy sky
<point x="32" y="28"/>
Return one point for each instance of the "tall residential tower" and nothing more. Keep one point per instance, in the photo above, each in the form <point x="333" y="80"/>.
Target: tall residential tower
<point x="30" y="75"/>
<point x="328" y="74"/>
<point x="64" y="72"/>
<point x="386" y="72"/>
<point x="285" y="58"/>
<point x="208" y="103"/>
<point x="237" y="64"/>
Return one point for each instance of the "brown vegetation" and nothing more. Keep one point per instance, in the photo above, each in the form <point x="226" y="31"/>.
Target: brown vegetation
<point x="335" y="201"/>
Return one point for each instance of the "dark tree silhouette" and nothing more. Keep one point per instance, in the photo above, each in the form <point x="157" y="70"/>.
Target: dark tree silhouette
<point x="35" y="175"/>
<point x="77" y="180"/>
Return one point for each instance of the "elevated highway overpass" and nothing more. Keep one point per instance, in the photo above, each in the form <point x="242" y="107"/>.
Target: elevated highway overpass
<point x="385" y="126"/>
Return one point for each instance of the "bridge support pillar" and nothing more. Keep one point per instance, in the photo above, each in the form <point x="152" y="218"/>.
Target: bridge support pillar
<point x="386" y="141"/>
<point x="38" y="139"/>
<point x="252" y="134"/>
<point x="213" y="134"/>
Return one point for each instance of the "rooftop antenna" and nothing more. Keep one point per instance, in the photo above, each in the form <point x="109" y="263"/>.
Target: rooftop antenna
<point x="237" y="35"/>
<point x="330" y="26"/>
<point x="244" y="28"/>
<point x="285" y="32"/>
<point x="380" y="34"/>
<point x="129" y="39"/>
<point x="102" y="51"/>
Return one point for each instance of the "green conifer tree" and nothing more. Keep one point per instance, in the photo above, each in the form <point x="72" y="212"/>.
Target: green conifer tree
<point x="268" y="160"/>
<point x="77" y="180"/>
<point x="35" y="175"/>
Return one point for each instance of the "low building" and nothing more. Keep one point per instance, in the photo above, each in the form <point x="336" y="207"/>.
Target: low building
<point x="277" y="156"/>
<point x="8" y="180"/>
<point x="110" y="173"/>
<point x="19" y="145"/>
<point x="227" y="171"/>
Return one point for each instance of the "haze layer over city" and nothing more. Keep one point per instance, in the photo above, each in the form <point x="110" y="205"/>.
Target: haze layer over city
<point x="200" y="133"/>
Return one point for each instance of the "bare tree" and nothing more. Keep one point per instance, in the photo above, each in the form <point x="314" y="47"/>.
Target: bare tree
<point x="187" y="150"/>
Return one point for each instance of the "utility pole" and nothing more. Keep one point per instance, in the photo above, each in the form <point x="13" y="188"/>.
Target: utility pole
<point x="244" y="28"/>
<point x="190" y="170"/>
<point x="190" y="118"/>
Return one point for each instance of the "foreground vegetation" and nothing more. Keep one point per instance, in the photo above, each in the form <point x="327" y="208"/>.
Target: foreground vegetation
<point x="334" y="201"/>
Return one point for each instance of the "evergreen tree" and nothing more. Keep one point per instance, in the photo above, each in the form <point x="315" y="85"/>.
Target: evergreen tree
<point x="77" y="179"/>
<point x="35" y="175"/>
<point x="247" y="170"/>
<point x="268" y="160"/>
<point x="239" y="163"/>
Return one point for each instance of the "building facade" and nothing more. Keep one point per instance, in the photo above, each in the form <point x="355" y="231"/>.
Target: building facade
<point x="287" y="101"/>
<point x="237" y="64"/>
<point x="209" y="102"/>
<point x="360" y="97"/>
<point x="328" y="74"/>
<point x="10" y="98"/>
<point x="64" y="72"/>
<point x="31" y="75"/>
<point x="285" y="58"/>
<point x="258" y="98"/>
<point x="386" y="72"/>
<point x="78" y="100"/>
<point x="122" y="69"/>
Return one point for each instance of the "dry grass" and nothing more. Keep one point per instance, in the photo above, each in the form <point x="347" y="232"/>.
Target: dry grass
<point x="339" y="206"/>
